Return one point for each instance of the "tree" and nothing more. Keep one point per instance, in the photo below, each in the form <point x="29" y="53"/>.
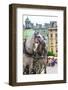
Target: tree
<point x="50" y="53"/>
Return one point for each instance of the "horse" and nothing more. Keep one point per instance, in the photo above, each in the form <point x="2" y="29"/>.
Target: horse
<point x="34" y="55"/>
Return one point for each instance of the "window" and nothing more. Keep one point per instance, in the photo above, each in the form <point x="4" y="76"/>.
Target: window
<point x="56" y="50"/>
<point x="51" y="30"/>
<point x="51" y="35"/>
<point x="56" y="35"/>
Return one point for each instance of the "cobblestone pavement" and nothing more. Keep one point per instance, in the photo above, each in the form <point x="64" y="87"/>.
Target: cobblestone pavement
<point x="51" y="69"/>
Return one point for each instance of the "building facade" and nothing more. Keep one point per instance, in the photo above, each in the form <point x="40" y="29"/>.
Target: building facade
<point x="52" y="38"/>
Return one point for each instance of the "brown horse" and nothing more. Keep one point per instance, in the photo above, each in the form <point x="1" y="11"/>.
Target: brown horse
<point x="35" y="55"/>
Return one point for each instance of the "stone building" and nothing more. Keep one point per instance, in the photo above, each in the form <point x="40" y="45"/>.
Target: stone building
<point x="52" y="37"/>
<point x="28" y="24"/>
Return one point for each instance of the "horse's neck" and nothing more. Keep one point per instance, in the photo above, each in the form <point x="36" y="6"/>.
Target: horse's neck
<point x="29" y="45"/>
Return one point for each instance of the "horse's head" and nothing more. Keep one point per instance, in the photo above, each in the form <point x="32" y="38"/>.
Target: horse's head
<point x="39" y="46"/>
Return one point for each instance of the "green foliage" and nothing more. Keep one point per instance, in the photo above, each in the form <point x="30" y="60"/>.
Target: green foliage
<point x="50" y="53"/>
<point x="27" y="33"/>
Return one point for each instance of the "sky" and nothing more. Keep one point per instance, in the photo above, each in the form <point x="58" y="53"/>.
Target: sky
<point x="40" y="19"/>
